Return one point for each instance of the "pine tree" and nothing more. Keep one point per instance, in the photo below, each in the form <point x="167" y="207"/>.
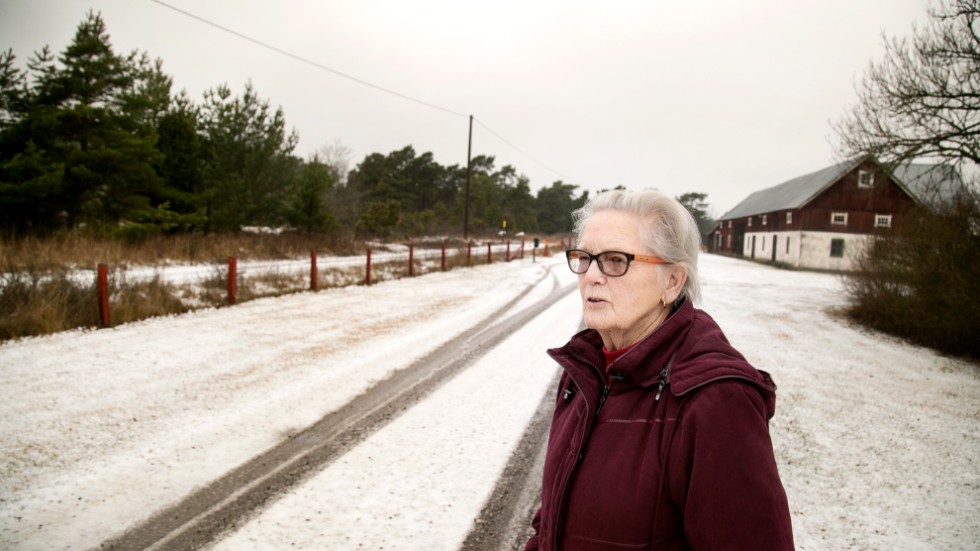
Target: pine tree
<point x="246" y="153"/>
<point x="308" y="209"/>
<point x="80" y="148"/>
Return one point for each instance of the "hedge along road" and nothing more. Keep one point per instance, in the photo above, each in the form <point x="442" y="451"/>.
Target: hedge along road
<point x="211" y="511"/>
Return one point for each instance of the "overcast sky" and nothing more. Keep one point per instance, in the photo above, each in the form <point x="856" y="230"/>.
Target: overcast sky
<point x="716" y="96"/>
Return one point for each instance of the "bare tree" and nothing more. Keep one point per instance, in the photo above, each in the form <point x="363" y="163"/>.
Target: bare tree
<point x="922" y="101"/>
<point x="338" y="157"/>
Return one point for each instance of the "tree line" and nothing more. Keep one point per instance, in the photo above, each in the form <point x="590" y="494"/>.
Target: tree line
<point x="95" y="139"/>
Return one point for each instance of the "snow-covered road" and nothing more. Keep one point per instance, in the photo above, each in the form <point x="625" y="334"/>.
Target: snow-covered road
<point x="877" y="440"/>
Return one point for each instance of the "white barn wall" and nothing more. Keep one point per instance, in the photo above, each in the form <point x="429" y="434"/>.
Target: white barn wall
<point x="815" y="251"/>
<point x="806" y="249"/>
<point x="791" y="257"/>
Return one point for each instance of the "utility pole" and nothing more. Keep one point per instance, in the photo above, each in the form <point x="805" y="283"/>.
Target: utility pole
<point x="466" y="195"/>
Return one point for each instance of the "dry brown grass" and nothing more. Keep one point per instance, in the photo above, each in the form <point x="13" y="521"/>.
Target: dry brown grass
<point x="77" y="249"/>
<point x="38" y="304"/>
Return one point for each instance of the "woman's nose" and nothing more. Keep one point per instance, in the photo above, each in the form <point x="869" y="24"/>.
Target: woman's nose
<point x="594" y="273"/>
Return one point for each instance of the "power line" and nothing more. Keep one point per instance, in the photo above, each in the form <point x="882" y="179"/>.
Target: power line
<point x="348" y="77"/>
<point x="515" y="148"/>
<point x="306" y="61"/>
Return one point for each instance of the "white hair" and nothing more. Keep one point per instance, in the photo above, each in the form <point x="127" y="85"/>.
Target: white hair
<point x="671" y="232"/>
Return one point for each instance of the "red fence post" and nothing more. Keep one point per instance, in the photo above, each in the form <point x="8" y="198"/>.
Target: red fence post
<point x="232" y="279"/>
<point x="102" y="283"/>
<point x="546" y="248"/>
<point x="489" y="259"/>
<point x="367" y="277"/>
<point x="411" y="260"/>
<point x="313" y="270"/>
<point x="444" y="257"/>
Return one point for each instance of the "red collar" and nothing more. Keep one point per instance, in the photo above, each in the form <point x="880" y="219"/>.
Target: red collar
<point x="611" y="356"/>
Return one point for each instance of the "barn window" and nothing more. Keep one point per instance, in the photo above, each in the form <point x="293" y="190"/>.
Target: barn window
<point x="750" y="222"/>
<point x="865" y="179"/>
<point x="789" y="217"/>
<point x="883" y="220"/>
<point x="838" y="218"/>
<point x="729" y="224"/>
<point x="729" y="241"/>
<point x="837" y="248"/>
<point x="764" y="220"/>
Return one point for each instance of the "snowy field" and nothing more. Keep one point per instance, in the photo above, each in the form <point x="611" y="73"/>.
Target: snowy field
<point x="878" y="441"/>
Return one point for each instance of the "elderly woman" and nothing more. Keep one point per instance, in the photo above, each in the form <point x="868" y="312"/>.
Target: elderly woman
<point x="660" y="436"/>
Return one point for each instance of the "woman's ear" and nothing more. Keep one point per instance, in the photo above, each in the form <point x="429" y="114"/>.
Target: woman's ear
<point x="676" y="278"/>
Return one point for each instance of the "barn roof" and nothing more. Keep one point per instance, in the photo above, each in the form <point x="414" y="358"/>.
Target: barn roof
<point x="930" y="184"/>
<point x="792" y="194"/>
<point x="924" y="182"/>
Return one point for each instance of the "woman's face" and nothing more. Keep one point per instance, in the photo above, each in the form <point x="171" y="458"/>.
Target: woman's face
<point x="627" y="308"/>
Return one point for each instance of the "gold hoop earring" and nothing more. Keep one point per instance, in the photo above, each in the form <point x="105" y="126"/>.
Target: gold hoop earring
<point x="663" y="301"/>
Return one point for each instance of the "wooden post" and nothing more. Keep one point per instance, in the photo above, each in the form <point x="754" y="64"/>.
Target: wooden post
<point x="489" y="260"/>
<point x="232" y="279"/>
<point x="444" y="257"/>
<point x="411" y="260"/>
<point x="508" y="251"/>
<point x="466" y="194"/>
<point x="313" y="270"/>
<point x="102" y="283"/>
<point x="469" y="255"/>
<point x="367" y="277"/>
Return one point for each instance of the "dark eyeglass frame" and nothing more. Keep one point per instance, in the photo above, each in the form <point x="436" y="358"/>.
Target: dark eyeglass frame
<point x="630" y="258"/>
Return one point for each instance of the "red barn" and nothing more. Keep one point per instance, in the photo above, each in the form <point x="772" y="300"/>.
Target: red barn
<point x="824" y="219"/>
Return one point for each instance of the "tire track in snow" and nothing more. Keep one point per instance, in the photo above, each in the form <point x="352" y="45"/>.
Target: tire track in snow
<point x="227" y="502"/>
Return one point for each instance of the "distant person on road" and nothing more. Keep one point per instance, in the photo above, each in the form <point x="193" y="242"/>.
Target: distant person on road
<point x="660" y="434"/>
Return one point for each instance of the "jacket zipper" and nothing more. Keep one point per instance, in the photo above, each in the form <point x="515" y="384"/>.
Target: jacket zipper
<point x="663" y="382"/>
<point x="602" y="400"/>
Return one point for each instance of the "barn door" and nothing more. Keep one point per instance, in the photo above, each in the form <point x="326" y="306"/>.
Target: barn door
<point x="739" y="240"/>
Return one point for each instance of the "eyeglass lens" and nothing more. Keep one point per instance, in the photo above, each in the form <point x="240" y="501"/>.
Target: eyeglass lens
<point x="610" y="263"/>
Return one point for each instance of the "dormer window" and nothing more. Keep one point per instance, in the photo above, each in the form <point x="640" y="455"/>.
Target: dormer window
<point x="866" y="179"/>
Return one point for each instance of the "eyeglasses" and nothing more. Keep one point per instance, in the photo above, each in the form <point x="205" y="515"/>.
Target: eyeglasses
<point x="611" y="263"/>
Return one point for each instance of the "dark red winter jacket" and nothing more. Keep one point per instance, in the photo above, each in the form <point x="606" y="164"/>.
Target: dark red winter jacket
<point x="673" y="454"/>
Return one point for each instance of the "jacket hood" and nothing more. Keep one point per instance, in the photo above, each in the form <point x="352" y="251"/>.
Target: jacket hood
<point x="689" y="346"/>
